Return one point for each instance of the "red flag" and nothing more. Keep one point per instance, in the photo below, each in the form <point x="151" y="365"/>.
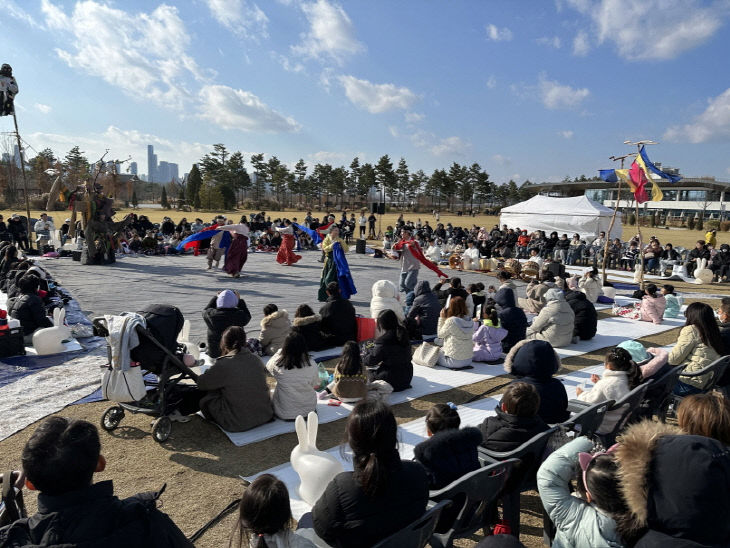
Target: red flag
<point x="638" y="177"/>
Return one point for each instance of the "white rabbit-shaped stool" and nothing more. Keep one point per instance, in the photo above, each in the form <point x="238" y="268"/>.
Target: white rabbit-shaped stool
<point x="48" y="340"/>
<point x="315" y="468"/>
<point x="703" y="275"/>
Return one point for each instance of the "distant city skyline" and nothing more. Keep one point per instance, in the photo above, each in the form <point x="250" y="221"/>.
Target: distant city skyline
<point x="162" y="172"/>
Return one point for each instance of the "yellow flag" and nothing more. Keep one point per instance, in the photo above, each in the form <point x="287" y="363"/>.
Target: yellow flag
<point x="623" y="174"/>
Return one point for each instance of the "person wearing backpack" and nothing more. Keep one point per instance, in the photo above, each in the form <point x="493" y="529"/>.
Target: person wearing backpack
<point x="59" y="461"/>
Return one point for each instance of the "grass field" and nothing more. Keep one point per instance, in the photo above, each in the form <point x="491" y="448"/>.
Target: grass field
<point x="676" y="236"/>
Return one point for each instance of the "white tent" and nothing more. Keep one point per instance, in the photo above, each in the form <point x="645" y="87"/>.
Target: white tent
<point x="562" y="215"/>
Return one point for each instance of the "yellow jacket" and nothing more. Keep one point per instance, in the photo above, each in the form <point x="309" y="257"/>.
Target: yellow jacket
<point x="329" y="242"/>
<point x="710" y="238"/>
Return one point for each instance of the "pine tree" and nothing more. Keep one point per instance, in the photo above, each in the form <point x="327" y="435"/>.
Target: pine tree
<point x="135" y="202"/>
<point x="163" y="199"/>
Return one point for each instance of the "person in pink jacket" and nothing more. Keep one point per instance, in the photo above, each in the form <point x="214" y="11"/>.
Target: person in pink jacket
<point x="488" y="338"/>
<point x="651" y="308"/>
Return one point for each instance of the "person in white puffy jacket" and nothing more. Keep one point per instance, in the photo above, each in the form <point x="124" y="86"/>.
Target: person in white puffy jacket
<point x="296" y="374"/>
<point x="590" y="284"/>
<point x="455" y="328"/>
<point x="470" y="257"/>
<point x="386" y="297"/>
<point x="555" y="322"/>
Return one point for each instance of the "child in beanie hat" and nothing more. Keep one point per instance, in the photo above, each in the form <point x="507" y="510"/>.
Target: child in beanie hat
<point x="226" y="299"/>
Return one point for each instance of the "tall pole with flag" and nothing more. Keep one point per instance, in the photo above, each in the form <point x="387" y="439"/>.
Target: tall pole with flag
<point x="25" y="178"/>
<point x="616" y="205"/>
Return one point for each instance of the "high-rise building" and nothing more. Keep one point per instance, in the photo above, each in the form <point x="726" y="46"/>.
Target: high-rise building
<point x="151" y="163"/>
<point x="174" y="172"/>
<point x="163" y="172"/>
<point x="133" y="168"/>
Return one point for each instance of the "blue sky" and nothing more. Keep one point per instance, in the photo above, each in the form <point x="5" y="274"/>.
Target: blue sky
<point x="529" y="89"/>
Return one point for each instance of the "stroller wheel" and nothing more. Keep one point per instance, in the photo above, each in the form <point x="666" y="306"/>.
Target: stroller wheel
<point x="161" y="429"/>
<point x="112" y="417"/>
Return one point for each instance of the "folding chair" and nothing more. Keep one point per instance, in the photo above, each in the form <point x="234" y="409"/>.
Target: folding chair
<point x="418" y="533"/>
<point x="586" y="421"/>
<point x="658" y="397"/>
<point x="629" y="404"/>
<point x="523" y="477"/>
<point x="472" y="495"/>
<point x="716" y="370"/>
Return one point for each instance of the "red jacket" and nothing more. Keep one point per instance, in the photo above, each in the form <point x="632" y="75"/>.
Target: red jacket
<point x="523" y="240"/>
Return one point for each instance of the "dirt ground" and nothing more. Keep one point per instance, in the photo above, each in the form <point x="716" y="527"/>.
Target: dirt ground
<point x="676" y="236"/>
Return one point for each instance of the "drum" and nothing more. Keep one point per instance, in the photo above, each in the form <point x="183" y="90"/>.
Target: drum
<point x="530" y="268"/>
<point x="455" y="260"/>
<point x="513" y="266"/>
<point x="487" y="264"/>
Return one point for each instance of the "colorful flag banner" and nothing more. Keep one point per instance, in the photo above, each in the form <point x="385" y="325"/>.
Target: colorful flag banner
<point x="651" y="167"/>
<point x="639" y="179"/>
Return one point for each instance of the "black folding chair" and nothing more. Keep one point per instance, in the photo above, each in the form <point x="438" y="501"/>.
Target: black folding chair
<point x="716" y="370"/>
<point x="629" y="404"/>
<point x="523" y="476"/>
<point x="418" y="533"/>
<point x="586" y="421"/>
<point x="473" y="495"/>
<point x="658" y="396"/>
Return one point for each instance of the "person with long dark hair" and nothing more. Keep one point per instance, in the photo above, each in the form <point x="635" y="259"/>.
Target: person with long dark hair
<point x="351" y="381"/>
<point x="698" y="345"/>
<point x="390" y="357"/>
<point x="264" y="517"/>
<point x="296" y="378"/>
<point x="381" y="495"/>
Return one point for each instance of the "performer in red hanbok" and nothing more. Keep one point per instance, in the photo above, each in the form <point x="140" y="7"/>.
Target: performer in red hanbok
<point x="238" y="251"/>
<point x="286" y="255"/>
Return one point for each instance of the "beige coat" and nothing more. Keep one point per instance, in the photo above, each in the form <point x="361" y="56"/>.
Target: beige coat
<point x="294" y="393"/>
<point x="694" y="354"/>
<point x="591" y="287"/>
<point x="555" y="322"/>
<point x="535" y="300"/>
<point x="274" y="329"/>
<point x="456" y="334"/>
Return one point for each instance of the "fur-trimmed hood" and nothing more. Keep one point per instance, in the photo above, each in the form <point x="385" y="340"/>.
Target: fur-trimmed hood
<point x="298" y="322"/>
<point x="273" y="318"/>
<point x="674" y="485"/>
<point x="532" y="358"/>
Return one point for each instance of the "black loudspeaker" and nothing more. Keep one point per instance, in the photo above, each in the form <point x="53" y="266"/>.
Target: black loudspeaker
<point x="360" y="246"/>
<point x="76" y="255"/>
<point x="374" y="208"/>
<point x="556" y="269"/>
<point x="381" y="209"/>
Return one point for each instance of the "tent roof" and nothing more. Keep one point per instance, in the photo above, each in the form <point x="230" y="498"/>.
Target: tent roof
<point x="574" y="206"/>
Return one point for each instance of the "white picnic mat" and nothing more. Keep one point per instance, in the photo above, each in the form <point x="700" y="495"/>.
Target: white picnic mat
<point x="611" y="331"/>
<point x="425" y="381"/>
<point x="44" y="392"/>
<point x="412" y="433"/>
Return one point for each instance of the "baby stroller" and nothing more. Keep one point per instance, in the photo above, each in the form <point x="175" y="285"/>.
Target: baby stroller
<point x="160" y="357"/>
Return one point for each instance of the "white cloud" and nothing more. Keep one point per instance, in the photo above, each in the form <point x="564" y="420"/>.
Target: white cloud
<point x="421" y="138"/>
<point x="653" y="29"/>
<point x="241" y="17"/>
<point x="497" y="34"/>
<point x="450" y="146"/>
<point x="501" y="160"/>
<point x="394" y="131"/>
<point x="238" y="109"/>
<point x="491" y="82"/>
<point x="581" y="46"/>
<point x="555" y="95"/>
<point x="566" y="134"/>
<point x="9" y="7"/>
<point x="376" y="98"/>
<point x="122" y="144"/>
<point x="144" y="54"/>
<point x="326" y="157"/>
<point x="414" y="117"/>
<point x="712" y="125"/>
<point x="287" y="64"/>
<point x="551" y="41"/>
<point x="331" y="33"/>
<point x="40" y="107"/>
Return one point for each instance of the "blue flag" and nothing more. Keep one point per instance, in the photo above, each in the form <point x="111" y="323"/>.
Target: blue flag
<point x="651" y="167"/>
<point x="312" y="233"/>
<point x="344" y="278"/>
<point x="608" y="175"/>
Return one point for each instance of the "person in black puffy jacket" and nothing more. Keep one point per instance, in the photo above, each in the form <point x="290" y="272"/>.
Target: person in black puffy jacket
<point x="390" y="357"/>
<point x="449" y="452"/>
<point x="511" y="317"/>
<point x="455" y="289"/>
<point x="516" y="420"/>
<point x="338" y="317"/>
<point x="425" y="309"/>
<point x="28" y="307"/>
<point x="586" y="317"/>
<point x="382" y="495"/>
<point x="59" y="461"/>
<point x="535" y="362"/>
<point x="223" y="311"/>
